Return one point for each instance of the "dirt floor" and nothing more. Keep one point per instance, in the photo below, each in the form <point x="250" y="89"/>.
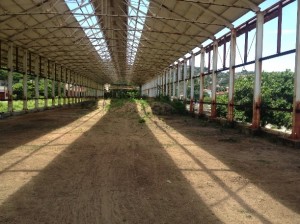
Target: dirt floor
<point x="122" y="164"/>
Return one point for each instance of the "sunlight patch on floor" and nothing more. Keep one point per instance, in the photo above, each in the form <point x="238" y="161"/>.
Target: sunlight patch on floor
<point x="223" y="189"/>
<point x="40" y="152"/>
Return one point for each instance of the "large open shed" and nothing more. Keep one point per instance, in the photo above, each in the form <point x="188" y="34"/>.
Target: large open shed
<point x="74" y="156"/>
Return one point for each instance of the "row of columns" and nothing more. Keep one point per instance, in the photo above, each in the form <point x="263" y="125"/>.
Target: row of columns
<point x="79" y="87"/>
<point x="156" y="85"/>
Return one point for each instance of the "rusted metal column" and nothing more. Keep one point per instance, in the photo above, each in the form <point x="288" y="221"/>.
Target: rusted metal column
<point x="64" y="74"/>
<point x="184" y="79"/>
<point x="258" y="68"/>
<point x="201" y="91"/>
<point x="174" y="80"/>
<point x="192" y="82"/>
<point x="68" y="88"/>
<point x="170" y="81"/>
<point x="36" y="82"/>
<point x="53" y="83"/>
<point x="178" y="79"/>
<point x="214" y="81"/>
<point x="230" y="113"/>
<point x="10" y="77"/>
<point x="25" y="79"/>
<point x="167" y="83"/>
<point x="296" y="106"/>
<point x="46" y="85"/>
<point x="59" y="87"/>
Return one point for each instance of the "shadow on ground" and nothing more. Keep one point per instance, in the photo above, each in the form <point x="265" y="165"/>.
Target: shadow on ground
<point x="112" y="170"/>
<point x="274" y="169"/>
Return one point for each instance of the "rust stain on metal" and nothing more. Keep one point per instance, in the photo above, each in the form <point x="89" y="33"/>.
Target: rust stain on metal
<point x="191" y="106"/>
<point x="213" y="109"/>
<point x="256" y="114"/>
<point x="200" y="107"/>
<point x="296" y="121"/>
<point x="230" y="113"/>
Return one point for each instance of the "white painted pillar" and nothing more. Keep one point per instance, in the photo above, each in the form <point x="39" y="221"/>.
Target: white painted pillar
<point x="170" y="81"/>
<point x="230" y="113"/>
<point x="25" y="80"/>
<point x="192" y="74"/>
<point x="214" y="81"/>
<point x="184" y="78"/>
<point x="258" y="69"/>
<point x="36" y="82"/>
<point x="68" y="87"/>
<point x="296" y="105"/>
<point x="178" y="79"/>
<point x="201" y="91"/>
<point x="53" y="84"/>
<point x="46" y="86"/>
<point x="64" y="74"/>
<point x="173" y="79"/>
<point x="167" y="83"/>
<point x="10" y="77"/>
<point x="59" y="86"/>
<point x="192" y="64"/>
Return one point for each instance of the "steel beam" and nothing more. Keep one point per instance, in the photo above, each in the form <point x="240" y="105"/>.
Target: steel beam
<point x="178" y="79"/>
<point x="296" y="105"/>
<point x="201" y="91"/>
<point x="25" y="79"/>
<point x="36" y="82"/>
<point x="184" y="78"/>
<point x="192" y="81"/>
<point x="230" y="113"/>
<point x="214" y="81"/>
<point x="53" y="84"/>
<point x="10" y="77"/>
<point x="258" y="69"/>
<point x="174" y="80"/>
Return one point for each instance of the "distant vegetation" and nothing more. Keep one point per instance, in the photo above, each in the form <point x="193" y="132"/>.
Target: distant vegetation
<point x="277" y="94"/>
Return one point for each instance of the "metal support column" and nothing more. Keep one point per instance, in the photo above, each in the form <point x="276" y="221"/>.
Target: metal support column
<point x="258" y="69"/>
<point x="214" y="81"/>
<point x="174" y="80"/>
<point x="59" y="88"/>
<point x="201" y="91"/>
<point x="163" y="83"/>
<point x="296" y="106"/>
<point x="64" y="74"/>
<point x="167" y="83"/>
<point x="36" y="82"/>
<point x="46" y="85"/>
<point x="170" y="81"/>
<point x="178" y="79"/>
<point x="192" y="82"/>
<point x="184" y="79"/>
<point x="53" y="84"/>
<point x="10" y="67"/>
<point x="25" y="80"/>
<point x="230" y="113"/>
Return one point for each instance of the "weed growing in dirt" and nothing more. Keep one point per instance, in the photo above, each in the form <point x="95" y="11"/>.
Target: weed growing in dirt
<point x="142" y="120"/>
<point x="117" y="103"/>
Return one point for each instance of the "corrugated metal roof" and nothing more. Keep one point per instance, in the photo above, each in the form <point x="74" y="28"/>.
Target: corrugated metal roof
<point x="172" y="28"/>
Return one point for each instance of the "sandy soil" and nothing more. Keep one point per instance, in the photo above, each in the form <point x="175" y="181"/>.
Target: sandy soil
<point x="105" y="165"/>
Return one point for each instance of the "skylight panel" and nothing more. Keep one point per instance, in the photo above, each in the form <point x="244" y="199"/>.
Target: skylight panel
<point x="137" y="10"/>
<point x="84" y="12"/>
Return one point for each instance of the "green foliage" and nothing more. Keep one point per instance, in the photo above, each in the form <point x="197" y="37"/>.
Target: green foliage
<point x="162" y="98"/>
<point x="277" y="92"/>
<point x="222" y="109"/>
<point x="179" y="107"/>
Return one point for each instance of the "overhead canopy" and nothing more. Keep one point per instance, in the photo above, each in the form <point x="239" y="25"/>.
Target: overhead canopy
<point x="116" y="41"/>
